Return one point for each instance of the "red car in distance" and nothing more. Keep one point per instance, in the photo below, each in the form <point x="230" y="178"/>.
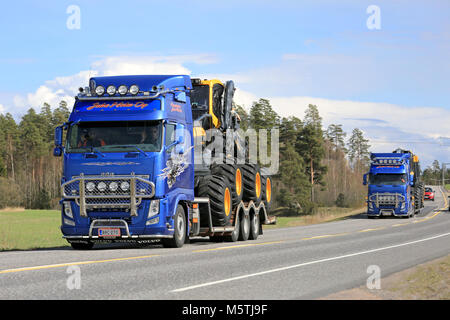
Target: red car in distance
<point x="429" y="194"/>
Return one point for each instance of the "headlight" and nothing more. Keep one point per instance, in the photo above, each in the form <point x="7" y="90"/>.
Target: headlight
<point x="134" y="89"/>
<point x="125" y="186"/>
<point x="123" y="89"/>
<point x="90" y="186"/>
<point x="113" y="186"/>
<point x="100" y="90"/>
<point x="154" y="208"/>
<point x="101" y="186"/>
<point x="111" y="90"/>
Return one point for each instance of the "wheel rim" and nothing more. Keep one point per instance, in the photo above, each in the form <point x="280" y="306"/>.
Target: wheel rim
<point x="180" y="228"/>
<point x="258" y="184"/>
<point x="255" y="222"/>
<point x="268" y="190"/>
<point x="238" y="182"/>
<point x="227" y="201"/>
<point x="246" y="226"/>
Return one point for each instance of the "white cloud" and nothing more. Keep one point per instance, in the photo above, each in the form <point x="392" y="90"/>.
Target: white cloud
<point x="244" y="99"/>
<point x="2" y="109"/>
<point x="388" y="126"/>
<point x="66" y="87"/>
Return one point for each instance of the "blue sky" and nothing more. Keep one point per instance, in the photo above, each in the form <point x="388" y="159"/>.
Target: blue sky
<point x="274" y="49"/>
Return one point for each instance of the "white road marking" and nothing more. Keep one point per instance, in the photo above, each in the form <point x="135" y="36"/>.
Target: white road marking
<point x="307" y="263"/>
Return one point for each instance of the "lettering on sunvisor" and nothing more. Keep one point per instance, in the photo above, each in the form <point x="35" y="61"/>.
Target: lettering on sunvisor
<point x="117" y="105"/>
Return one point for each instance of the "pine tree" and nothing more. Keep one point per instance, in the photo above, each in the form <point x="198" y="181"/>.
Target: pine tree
<point x="336" y="135"/>
<point x="262" y="115"/>
<point x="358" y="147"/>
<point x="310" y="146"/>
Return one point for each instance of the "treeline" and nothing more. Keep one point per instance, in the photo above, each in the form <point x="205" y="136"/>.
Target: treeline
<point x="318" y="167"/>
<point x="30" y="176"/>
<point x="434" y="174"/>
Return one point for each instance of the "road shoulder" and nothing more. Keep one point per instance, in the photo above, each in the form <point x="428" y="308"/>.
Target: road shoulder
<point x="427" y="281"/>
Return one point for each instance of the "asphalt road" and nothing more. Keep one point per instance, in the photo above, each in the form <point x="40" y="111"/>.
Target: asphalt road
<point x="305" y="262"/>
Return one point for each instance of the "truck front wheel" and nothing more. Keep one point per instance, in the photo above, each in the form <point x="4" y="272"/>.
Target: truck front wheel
<point x="179" y="234"/>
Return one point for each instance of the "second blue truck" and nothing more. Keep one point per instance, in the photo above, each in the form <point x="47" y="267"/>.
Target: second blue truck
<point x="394" y="185"/>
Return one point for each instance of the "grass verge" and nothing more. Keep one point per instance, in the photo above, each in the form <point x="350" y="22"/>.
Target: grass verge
<point x="30" y="229"/>
<point x="326" y="214"/>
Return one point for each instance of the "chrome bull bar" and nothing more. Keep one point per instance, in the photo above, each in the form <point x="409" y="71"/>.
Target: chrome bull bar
<point x="387" y="199"/>
<point x="139" y="187"/>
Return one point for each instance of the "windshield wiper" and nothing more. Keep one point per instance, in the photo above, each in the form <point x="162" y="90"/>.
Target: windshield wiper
<point x="97" y="151"/>
<point x="130" y="146"/>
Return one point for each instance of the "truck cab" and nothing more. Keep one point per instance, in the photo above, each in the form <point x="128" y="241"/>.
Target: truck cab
<point x="122" y="171"/>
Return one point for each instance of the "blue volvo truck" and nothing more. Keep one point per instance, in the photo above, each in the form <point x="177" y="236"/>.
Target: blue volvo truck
<point x="129" y="171"/>
<point x="394" y="185"/>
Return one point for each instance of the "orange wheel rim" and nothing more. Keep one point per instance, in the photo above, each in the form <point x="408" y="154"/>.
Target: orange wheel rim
<point x="238" y="182"/>
<point x="227" y="201"/>
<point x="268" y="190"/>
<point x="258" y="184"/>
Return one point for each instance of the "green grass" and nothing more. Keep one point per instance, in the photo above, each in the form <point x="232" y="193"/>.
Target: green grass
<point x="30" y="229"/>
<point x="324" y="214"/>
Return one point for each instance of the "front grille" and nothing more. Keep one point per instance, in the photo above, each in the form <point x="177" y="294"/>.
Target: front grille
<point x="94" y="192"/>
<point x="387" y="199"/>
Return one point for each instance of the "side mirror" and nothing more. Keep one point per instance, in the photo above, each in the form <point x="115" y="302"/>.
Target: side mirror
<point x="180" y="97"/>
<point x="179" y="132"/>
<point x="57" y="152"/>
<point x="178" y="140"/>
<point x="365" y="179"/>
<point x="58" y="136"/>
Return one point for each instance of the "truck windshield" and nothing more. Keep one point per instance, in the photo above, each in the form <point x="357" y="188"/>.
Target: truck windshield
<point x="388" y="179"/>
<point x="115" y="136"/>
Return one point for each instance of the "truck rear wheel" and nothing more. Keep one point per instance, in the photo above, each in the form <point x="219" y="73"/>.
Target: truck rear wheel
<point x="254" y="226"/>
<point x="218" y="190"/>
<point x="244" y="231"/>
<point x="234" y="236"/>
<point x="179" y="234"/>
<point x="252" y="183"/>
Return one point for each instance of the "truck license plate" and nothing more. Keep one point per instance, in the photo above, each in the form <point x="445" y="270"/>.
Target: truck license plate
<point x="109" y="232"/>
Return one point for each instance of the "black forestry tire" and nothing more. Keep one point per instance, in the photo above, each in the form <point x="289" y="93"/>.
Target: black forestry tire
<point x="179" y="235"/>
<point x="82" y="246"/>
<point x="267" y="202"/>
<point x="249" y="174"/>
<point x="214" y="187"/>
<point x="229" y="171"/>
